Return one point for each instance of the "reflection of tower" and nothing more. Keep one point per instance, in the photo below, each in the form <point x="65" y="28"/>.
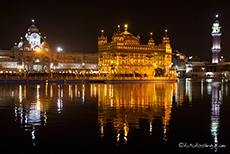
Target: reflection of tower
<point x="215" y="115"/>
<point x="216" y="41"/>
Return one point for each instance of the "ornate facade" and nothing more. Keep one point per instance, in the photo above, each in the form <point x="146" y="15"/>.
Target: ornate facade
<point x="33" y="54"/>
<point x="125" y="55"/>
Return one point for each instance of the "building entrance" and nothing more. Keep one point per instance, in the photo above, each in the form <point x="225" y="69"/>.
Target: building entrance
<point x="37" y="68"/>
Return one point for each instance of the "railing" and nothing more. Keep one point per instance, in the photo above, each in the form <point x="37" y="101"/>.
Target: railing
<point x="83" y="78"/>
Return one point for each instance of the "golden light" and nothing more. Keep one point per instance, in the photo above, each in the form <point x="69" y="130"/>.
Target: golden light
<point x="20" y="93"/>
<point x="37" y="49"/>
<point x="126" y="27"/>
<point x="151" y="33"/>
<point x="38" y="105"/>
<point x="166" y="30"/>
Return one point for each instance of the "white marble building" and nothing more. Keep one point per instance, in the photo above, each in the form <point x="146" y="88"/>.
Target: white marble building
<point x="33" y="54"/>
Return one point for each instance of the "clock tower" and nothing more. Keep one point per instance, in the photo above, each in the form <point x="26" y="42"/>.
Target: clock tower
<point x="33" y="36"/>
<point x="216" y="47"/>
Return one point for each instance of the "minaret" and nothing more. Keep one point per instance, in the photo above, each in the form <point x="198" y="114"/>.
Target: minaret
<point x="216" y="48"/>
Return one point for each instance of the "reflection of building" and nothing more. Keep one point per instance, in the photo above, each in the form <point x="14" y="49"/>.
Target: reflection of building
<point x="125" y="104"/>
<point x="30" y="114"/>
<point x="125" y="55"/>
<point x="33" y="54"/>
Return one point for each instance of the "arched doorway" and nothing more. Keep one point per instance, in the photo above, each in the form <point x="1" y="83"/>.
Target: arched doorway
<point x="46" y="64"/>
<point x="37" y="67"/>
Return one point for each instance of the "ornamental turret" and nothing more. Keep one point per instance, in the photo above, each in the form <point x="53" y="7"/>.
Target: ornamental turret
<point x="151" y="41"/>
<point x="166" y="38"/>
<point x="102" y="39"/>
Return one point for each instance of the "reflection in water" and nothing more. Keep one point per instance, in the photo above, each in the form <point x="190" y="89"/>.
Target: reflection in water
<point x="188" y="87"/>
<point x="202" y="88"/>
<point x="83" y="93"/>
<point x="123" y="105"/>
<point x="59" y="101"/>
<point x="33" y="104"/>
<point x="217" y="94"/>
<point x="28" y="113"/>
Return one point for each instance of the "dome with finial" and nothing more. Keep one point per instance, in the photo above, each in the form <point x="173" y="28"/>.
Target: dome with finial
<point x="125" y="37"/>
<point x="33" y="28"/>
<point x="102" y="39"/>
<point x="20" y="44"/>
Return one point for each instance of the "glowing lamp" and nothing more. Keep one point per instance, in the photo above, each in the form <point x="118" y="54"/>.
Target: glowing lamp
<point x="126" y="27"/>
<point x="37" y="49"/>
<point x="59" y="49"/>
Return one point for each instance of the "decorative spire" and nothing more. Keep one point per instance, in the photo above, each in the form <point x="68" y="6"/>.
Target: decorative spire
<point x="151" y="41"/>
<point x="126" y="27"/>
<point x="166" y="38"/>
<point x="102" y="32"/>
<point x="166" y="32"/>
<point x="102" y="39"/>
<point x="32" y="20"/>
<point x="21" y="38"/>
<point x="118" y="28"/>
<point x="151" y="35"/>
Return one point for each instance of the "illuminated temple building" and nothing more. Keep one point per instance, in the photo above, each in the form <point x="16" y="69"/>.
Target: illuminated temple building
<point x="33" y="54"/>
<point x="125" y="55"/>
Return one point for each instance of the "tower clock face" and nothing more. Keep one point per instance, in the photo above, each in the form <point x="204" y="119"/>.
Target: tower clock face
<point x="34" y="35"/>
<point x="34" y="39"/>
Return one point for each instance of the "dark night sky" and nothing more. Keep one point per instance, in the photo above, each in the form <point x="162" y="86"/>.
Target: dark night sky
<point x="75" y="25"/>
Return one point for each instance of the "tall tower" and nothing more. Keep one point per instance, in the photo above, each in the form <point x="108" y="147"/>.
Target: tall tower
<point x="216" y="48"/>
